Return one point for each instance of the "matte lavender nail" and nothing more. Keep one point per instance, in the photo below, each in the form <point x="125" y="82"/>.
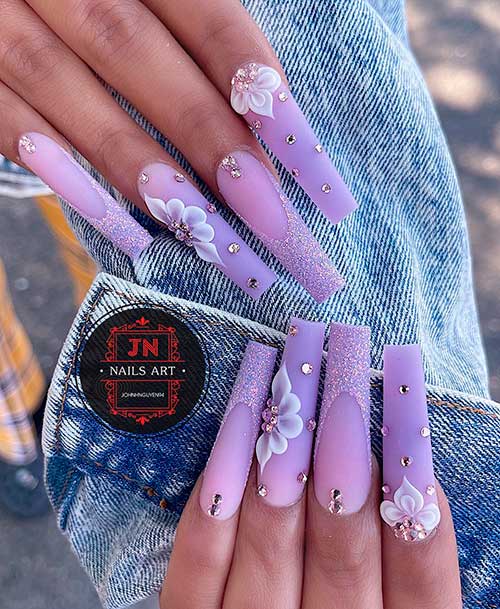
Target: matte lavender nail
<point x="258" y="93"/>
<point x="256" y="196"/>
<point x="227" y="469"/>
<point x="410" y="507"/>
<point x="178" y="205"/>
<point x="342" y="462"/>
<point x="71" y="182"/>
<point x="284" y="448"/>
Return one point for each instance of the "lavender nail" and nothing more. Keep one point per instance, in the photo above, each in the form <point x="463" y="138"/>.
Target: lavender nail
<point x="70" y="181"/>
<point x="178" y="205"/>
<point x="258" y="93"/>
<point x="410" y="507"/>
<point x="255" y="195"/>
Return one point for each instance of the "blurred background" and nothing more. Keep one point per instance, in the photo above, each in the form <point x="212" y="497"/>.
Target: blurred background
<point x="458" y="46"/>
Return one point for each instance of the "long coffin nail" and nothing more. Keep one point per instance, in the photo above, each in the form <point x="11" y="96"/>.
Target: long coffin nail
<point x="284" y="448"/>
<point x="342" y="462"/>
<point x="255" y="195"/>
<point x="59" y="170"/>
<point x="258" y="93"/>
<point x="227" y="469"/>
<point x="178" y="205"/>
<point x="411" y="507"/>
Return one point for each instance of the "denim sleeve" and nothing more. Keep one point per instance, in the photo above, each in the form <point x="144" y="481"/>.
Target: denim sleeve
<point x="404" y="252"/>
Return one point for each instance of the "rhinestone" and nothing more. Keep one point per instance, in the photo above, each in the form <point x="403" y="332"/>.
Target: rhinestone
<point x="293" y="331"/>
<point x="236" y="173"/>
<point x="211" y="208"/>
<point x="214" y="509"/>
<point x="257" y="125"/>
<point x="404" y="389"/>
<point x="282" y="96"/>
<point x="326" y="188"/>
<point x="406" y="461"/>
<point x="430" y="489"/>
<point x="386" y="489"/>
<point x="291" y="139"/>
<point x="302" y="478"/>
<point x="295" y="172"/>
<point x="384" y="430"/>
<point x="179" y="177"/>
<point x="233" y="248"/>
<point x="425" y="432"/>
<point x="144" y="178"/>
<point x="252" y="283"/>
<point x="336" y="505"/>
<point x="318" y="148"/>
<point x="26" y="143"/>
<point x="306" y="368"/>
<point x="311" y="425"/>
<point x="217" y="499"/>
<point x="262" y="490"/>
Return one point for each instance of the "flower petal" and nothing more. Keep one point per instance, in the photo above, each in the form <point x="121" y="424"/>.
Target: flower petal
<point x="203" y="232"/>
<point x="390" y="513"/>
<point x="282" y="385"/>
<point x="290" y="404"/>
<point x="263" y="450"/>
<point x="407" y="488"/>
<point x="194" y="215"/>
<point x="261" y="102"/>
<point x="239" y="101"/>
<point x="290" y="425"/>
<point x="407" y="505"/>
<point x="277" y="442"/>
<point x="157" y="208"/>
<point x="429" y="517"/>
<point x="267" y="78"/>
<point x="175" y="208"/>
<point x="208" y="252"/>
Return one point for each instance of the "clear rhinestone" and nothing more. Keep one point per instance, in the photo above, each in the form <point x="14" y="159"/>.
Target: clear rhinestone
<point x="311" y="425"/>
<point x="274" y="409"/>
<point x="430" y="489"/>
<point x="282" y="96"/>
<point x="179" y="177"/>
<point x="214" y="509"/>
<point x="318" y="148"/>
<point x="295" y="172"/>
<point x="257" y="125"/>
<point x="291" y="139"/>
<point x="252" y="283"/>
<point x="425" y="432"/>
<point x="293" y="331"/>
<point x="236" y="173"/>
<point x="211" y="208"/>
<point x="306" y="368"/>
<point x="336" y="505"/>
<point x="404" y="389"/>
<point x="262" y="490"/>
<point x="384" y="430"/>
<point x="302" y="478"/>
<point x="326" y="188"/>
<point x="27" y="143"/>
<point x="386" y="489"/>
<point x="406" y="461"/>
<point x="233" y="248"/>
<point x="144" y="178"/>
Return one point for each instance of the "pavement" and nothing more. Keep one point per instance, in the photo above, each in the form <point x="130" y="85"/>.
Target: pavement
<point x="458" y="44"/>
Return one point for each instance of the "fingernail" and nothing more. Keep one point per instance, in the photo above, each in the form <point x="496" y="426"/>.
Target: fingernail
<point x="284" y="448"/>
<point x="255" y="195"/>
<point x="258" y="93"/>
<point x="182" y="209"/>
<point x="227" y="469"/>
<point x="342" y="463"/>
<point x="59" y="170"/>
<point x="410" y="507"/>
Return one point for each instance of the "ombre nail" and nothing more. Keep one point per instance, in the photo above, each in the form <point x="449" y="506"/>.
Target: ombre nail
<point x="342" y="462"/>
<point x="227" y="469"/>
<point x="284" y="448"/>
<point x="410" y="507"/>
<point x="182" y="209"/>
<point x="59" y="170"/>
<point x="255" y="195"/>
<point x="260" y="95"/>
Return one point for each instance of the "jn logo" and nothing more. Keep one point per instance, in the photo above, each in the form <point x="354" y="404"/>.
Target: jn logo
<point x="144" y="347"/>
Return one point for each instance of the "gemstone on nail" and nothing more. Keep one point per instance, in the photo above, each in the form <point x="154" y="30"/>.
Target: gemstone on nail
<point x="262" y="490"/>
<point x="384" y="430"/>
<point x="306" y="368"/>
<point x="257" y="125"/>
<point x="311" y="425"/>
<point x="144" y="178"/>
<point x="404" y="389"/>
<point x="318" y="148"/>
<point x="336" y="505"/>
<point x="295" y="172"/>
<point x="425" y="432"/>
<point x="430" y="489"/>
<point x="386" y="489"/>
<point x="282" y="96"/>
<point x="27" y="143"/>
<point x="252" y="283"/>
<point x="211" y="208"/>
<point x="233" y="248"/>
<point x="406" y="461"/>
<point x="326" y="188"/>
<point x="230" y="164"/>
<point x="302" y="478"/>
<point x="179" y="177"/>
<point x="214" y="509"/>
<point x="291" y="139"/>
<point x="293" y="331"/>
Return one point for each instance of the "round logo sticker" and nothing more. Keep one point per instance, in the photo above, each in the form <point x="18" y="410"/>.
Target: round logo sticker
<point x="142" y="370"/>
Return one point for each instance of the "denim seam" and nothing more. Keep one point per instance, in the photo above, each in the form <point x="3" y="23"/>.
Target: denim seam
<point x="69" y="475"/>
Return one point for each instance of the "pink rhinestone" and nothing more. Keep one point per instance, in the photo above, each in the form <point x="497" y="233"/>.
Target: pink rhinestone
<point x="302" y="478"/>
<point x="384" y="430"/>
<point x="311" y="425"/>
<point x="211" y="208"/>
<point x="179" y="177"/>
<point x="386" y="489"/>
<point x="430" y="489"/>
<point x="425" y="432"/>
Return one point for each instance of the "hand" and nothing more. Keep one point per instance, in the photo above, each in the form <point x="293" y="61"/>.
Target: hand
<point x="174" y="61"/>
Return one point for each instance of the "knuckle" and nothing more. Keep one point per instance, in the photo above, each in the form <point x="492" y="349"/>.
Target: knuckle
<point x="198" y="121"/>
<point x="224" y="31"/>
<point x="110" y="141"/>
<point x="109" y="27"/>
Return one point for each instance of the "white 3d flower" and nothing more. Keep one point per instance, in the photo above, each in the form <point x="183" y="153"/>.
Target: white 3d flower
<point x="252" y="89"/>
<point x="281" y="421"/>
<point x="189" y="225"/>
<point x="409" y="504"/>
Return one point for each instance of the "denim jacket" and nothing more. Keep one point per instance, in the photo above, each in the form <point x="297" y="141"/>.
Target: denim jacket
<point x="404" y="253"/>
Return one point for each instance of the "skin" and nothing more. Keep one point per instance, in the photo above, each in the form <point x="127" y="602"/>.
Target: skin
<point x="174" y="61"/>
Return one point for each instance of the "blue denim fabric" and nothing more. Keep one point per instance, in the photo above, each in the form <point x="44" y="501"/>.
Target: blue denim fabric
<point x="405" y="254"/>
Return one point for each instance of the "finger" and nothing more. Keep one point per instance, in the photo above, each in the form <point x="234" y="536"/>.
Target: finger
<point x="229" y="46"/>
<point x="343" y="550"/>
<point x="131" y="49"/>
<point x="89" y="118"/>
<point x="268" y="562"/>
<point x="43" y="154"/>
<point x="205" y="538"/>
<point x="412" y="543"/>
